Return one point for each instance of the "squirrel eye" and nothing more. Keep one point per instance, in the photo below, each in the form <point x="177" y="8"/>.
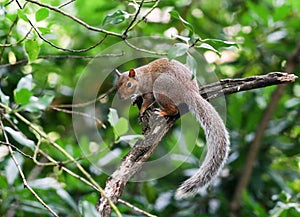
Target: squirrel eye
<point x="128" y="84"/>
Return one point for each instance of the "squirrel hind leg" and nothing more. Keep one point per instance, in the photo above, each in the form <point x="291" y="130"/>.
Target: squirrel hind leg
<point x="168" y="107"/>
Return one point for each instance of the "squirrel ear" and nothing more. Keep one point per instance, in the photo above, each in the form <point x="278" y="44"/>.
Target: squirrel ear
<point x="118" y="73"/>
<point x="131" y="73"/>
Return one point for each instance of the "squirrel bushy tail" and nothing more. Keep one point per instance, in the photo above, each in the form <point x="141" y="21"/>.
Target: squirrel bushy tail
<point x="217" y="140"/>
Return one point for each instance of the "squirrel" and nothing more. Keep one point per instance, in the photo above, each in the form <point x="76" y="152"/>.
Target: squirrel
<point x="169" y="84"/>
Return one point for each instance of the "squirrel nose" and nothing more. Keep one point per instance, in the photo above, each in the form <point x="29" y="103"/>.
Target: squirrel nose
<point x="121" y="96"/>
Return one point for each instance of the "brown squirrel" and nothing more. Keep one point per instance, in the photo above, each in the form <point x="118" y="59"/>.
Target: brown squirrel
<point x="169" y="84"/>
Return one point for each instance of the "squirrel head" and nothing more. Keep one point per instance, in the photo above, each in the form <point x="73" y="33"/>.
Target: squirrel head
<point x="127" y="84"/>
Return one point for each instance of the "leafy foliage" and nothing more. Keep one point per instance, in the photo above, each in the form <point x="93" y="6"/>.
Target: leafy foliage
<point x="41" y="66"/>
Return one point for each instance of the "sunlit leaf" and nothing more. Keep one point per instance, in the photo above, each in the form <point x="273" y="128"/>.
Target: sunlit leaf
<point x="183" y="38"/>
<point x="221" y="43"/>
<point x="41" y="14"/>
<point x="177" y="50"/>
<point x="191" y="64"/>
<point x="118" y="17"/>
<point x="20" y="137"/>
<point x="65" y="196"/>
<point x="176" y="15"/>
<point x="44" y="30"/>
<point x="113" y="117"/>
<point x="209" y="47"/>
<point x="37" y="104"/>
<point x="32" y="49"/>
<point x="121" y="127"/>
<point x="88" y="209"/>
<point x="11" y="170"/>
<point x="25" y="83"/>
<point x="4" y="99"/>
<point x="22" y="96"/>
<point x="45" y="183"/>
<point x="22" y="15"/>
<point x="12" y="59"/>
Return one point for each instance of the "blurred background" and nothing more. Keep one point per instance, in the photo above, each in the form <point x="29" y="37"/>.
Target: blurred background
<point x="43" y="53"/>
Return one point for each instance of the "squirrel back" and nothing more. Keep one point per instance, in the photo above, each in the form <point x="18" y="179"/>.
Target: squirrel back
<point x="169" y="83"/>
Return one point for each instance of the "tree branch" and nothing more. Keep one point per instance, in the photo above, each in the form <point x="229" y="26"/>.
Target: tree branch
<point x="92" y="28"/>
<point x="155" y="127"/>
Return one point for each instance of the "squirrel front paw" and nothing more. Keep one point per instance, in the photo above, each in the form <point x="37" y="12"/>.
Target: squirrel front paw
<point x="134" y="99"/>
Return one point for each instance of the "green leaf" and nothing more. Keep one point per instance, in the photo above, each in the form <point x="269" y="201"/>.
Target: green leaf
<point x="65" y="196"/>
<point x="41" y="14"/>
<point x="118" y="17"/>
<point x="19" y="137"/>
<point x="22" y="15"/>
<point x="38" y="104"/>
<point x="11" y="170"/>
<point x="32" y="49"/>
<point x="45" y="183"/>
<point x="113" y="117"/>
<point x="191" y="64"/>
<point x="220" y="43"/>
<point x="150" y="192"/>
<point x="46" y="100"/>
<point x="121" y="127"/>
<point x="22" y="96"/>
<point x="25" y="83"/>
<point x="88" y="209"/>
<point x="177" y="50"/>
<point x="4" y="99"/>
<point x="209" y="47"/>
<point x="182" y="38"/>
<point x="22" y="93"/>
<point x="44" y="30"/>
<point x="175" y="15"/>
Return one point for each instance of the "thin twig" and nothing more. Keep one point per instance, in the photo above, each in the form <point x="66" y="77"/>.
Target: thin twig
<point x="92" y="28"/>
<point x="25" y="60"/>
<point x="136" y="208"/>
<point x="143" y="50"/>
<point x="52" y="44"/>
<point x="7" y="36"/>
<point x="145" y="16"/>
<point x="16" y="149"/>
<point x="59" y="148"/>
<point x="17" y="42"/>
<point x="84" y="104"/>
<point x="64" y="49"/>
<point x="8" y="3"/>
<point x="22" y="174"/>
<point x="80" y="114"/>
<point x="133" y="20"/>
<point x="66" y="3"/>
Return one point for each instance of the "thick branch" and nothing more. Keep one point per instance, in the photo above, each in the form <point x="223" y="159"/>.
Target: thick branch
<point x="155" y="127"/>
<point x="229" y="86"/>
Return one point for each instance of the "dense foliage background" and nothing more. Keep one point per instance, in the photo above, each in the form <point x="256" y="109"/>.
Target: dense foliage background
<point x="43" y="53"/>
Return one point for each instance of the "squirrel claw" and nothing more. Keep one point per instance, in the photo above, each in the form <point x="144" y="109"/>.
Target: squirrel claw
<point x="160" y="112"/>
<point x="134" y="99"/>
<point x="157" y="111"/>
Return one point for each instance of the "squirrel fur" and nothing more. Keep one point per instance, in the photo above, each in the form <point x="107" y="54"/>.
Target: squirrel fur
<point x="169" y="84"/>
